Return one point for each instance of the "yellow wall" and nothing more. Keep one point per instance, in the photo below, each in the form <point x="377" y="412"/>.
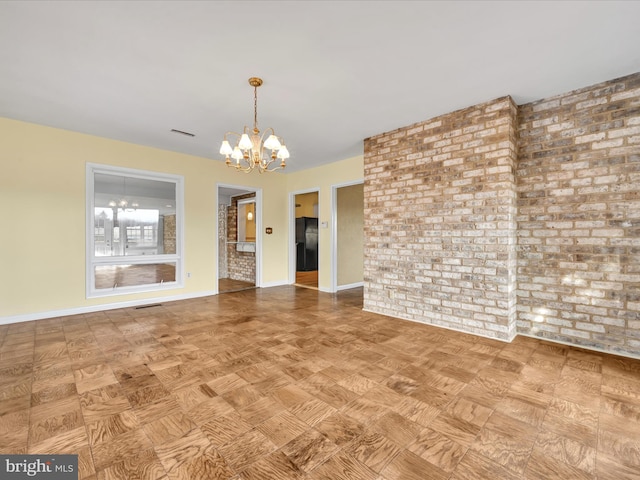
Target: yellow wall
<point x="323" y="178"/>
<point x="42" y="206"/>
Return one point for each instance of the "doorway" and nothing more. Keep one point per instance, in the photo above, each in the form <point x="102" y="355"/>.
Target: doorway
<point x="347" y="234"/>
<point x="306" y="239"/>
<point x="238" y="243"/>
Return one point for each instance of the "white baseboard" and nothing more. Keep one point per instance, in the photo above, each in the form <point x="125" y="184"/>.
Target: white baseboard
<point x="576" y="345"/>
<point x="504" y="340"/>
<point x="277" y="283"/>
<point x="350" y="285"/>
<point x="98" y="308"/>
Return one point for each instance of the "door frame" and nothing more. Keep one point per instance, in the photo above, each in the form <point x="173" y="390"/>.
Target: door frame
<point x="247" y="189"/>
<point x="292" y="232"/>
<point x="334" y="233"/>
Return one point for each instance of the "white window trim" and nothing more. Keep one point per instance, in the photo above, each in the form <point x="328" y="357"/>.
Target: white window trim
<point x="91" y="262"/>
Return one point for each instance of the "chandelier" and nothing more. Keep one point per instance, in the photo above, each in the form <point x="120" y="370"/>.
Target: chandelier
<point x="250" y="152"/>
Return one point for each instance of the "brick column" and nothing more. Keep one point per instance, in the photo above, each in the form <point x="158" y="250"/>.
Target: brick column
<point x="440" y="231"/>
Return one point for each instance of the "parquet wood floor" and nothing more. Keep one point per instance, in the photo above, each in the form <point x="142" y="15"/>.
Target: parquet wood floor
<point x="229" y="285"/>
<point x="307" y="279"/>
<point x="293" y="383"/>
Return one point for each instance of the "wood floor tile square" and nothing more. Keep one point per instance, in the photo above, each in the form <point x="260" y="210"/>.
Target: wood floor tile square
<point x="53" y="393"/>
<point x="309" y="450"/>
<point x="14" y="390"/>
<point x="357" y="383"/>
<point x="85" y="462"/>
<point x="192" y="456"/>
<point x="106" y="428"/>
<point x="142" y="466"/>
<point x="155" y="411"/>
<point x="147" y="395"/>
<point x="291" y="395"/>
<point x="566" y="451"/>
<point x="521" y="410"/>
<point x="457" y="429"/>
<point x="50" y="419"/>
<point x="610" y="468"/>
<point x="93" y="376"/>
<point x="409" y="466"/>
<point x="630" y="411"/>
<point x="247" y="449"/>
<point x="282" y="428"/>
<point x="469" y="411"/>
<point x="621" y="388"/>
<point x="260" y="410"/>
<point x="120" y="447"/>
<point x="313" y="411"/>
<point x="225" y="428"/>
<point x="14" y="427"/>
<point x="570" y="428"/>
<point x="374" y="450"/>
<point x="205" y="411"/>
<point x="168" y="427"/>
<point x="620" y="440"/>
<point x="276" y="465"/>
<point x="191" y="396"/>
<point x="343" y="466"/>
<point x="15" y="404"/>
<point x="227" y="383"/>
<point x="506" y="441"/>
<point x="544" y="466"/>
<point x="397" y="428"/>
<point x="438" y="450"/>
<point x="242" y="396"/>
<point x="67" y="442"/>
<point x="474" y="466"/>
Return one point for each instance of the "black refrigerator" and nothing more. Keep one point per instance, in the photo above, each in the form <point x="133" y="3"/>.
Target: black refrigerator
<point x="306" y="244"/>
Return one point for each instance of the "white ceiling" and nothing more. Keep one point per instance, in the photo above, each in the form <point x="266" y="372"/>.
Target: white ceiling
<point x="335" y="72"/>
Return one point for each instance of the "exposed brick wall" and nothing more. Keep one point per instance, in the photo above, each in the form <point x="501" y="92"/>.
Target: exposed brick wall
<point x="240" y="265"/>
<point x="169" y="233"/>
<point x="440" y="206"/>
<point x="578" y="182"/>
<point x="499" y="219"/>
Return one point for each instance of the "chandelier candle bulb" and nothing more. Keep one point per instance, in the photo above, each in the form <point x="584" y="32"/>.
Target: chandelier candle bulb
<point x="250" y="150"/>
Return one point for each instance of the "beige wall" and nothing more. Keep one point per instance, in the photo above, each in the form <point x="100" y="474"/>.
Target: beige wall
<point x="350" y="226"/>
<point x="42" y="204"/>
<point x="323" y="178"/>
<point x="307" y="202"/>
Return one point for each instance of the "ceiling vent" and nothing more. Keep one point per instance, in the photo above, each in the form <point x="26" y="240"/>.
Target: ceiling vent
<point x="181" y="132"/>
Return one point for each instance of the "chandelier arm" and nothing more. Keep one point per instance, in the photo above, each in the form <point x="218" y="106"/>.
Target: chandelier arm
<point x="239" y="167"/>
<point x="234" y="133"/>
<point x="269" y="170"/>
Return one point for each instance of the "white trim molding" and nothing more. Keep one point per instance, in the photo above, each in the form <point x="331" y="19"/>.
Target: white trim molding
<point x="334" y="233"/>
<point x="26" y="317"/>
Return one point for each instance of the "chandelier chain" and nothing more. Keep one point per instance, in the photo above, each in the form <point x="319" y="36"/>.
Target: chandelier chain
<point x="255" y="109"/>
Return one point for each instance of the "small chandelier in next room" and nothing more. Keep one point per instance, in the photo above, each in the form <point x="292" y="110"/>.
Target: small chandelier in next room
<point x="250" y="151"/>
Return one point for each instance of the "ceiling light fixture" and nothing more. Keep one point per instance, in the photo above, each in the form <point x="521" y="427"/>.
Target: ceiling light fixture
<point x="249" y="152"/>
